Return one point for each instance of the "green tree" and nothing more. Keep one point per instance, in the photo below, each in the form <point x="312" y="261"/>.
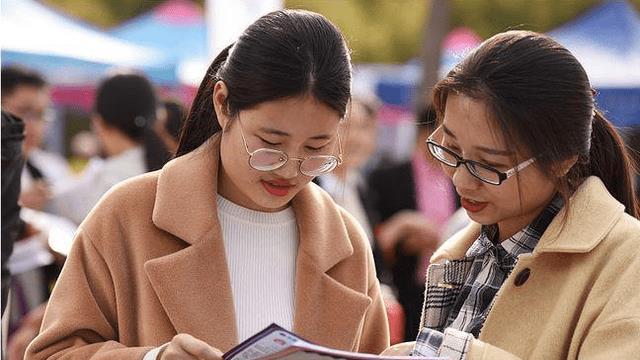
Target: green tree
<point x="388" y="31"/>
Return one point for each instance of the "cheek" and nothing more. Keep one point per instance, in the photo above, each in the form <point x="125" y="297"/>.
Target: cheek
<point x="448" y="170"/>
<point x="506" y="196"/>
<point x="234" y="160"/>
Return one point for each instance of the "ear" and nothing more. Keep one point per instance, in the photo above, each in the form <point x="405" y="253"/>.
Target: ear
<point x="220" y="93"/>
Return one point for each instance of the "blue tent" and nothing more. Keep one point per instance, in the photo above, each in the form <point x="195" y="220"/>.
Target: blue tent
<point x="175" y="28"/>
<point x="67" y="51"/>
<point x="606" y="41"/>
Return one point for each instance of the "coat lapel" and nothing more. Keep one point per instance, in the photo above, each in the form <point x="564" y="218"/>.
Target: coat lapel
<point x="186" y="207"/>
<point x="326" y="311"/>
<point x="193" y="284"/>
<point x="592" y="214"/>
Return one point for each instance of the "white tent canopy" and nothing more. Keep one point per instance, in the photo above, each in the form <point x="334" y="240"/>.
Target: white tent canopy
<point x="39" y="37"/>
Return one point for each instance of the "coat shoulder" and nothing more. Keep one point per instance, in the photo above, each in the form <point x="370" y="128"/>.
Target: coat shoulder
<point x="623" y="241"/>
<point x="131" y="195"/>
<point x="125" y="209"/>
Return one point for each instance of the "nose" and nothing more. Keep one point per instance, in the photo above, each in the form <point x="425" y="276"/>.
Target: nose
<point x="289" y="170"/>
<point x="463" y="180"/>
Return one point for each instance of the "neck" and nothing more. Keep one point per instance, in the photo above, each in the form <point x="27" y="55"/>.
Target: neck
<point x="116" y="144"/>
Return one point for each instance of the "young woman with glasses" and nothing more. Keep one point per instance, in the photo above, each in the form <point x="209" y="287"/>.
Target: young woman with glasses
<point x="549" y="267"/>
<point x="230" y="236"/>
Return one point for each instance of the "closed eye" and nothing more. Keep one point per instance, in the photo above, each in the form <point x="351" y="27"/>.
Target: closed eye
<point x="453" y="148"/>
<point x="315" y="149"/>
<point x="493" y="165"/>
<point x="269" y="142"/>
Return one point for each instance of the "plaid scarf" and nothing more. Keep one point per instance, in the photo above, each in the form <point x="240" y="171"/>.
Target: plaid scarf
<point x="460" y="293"/>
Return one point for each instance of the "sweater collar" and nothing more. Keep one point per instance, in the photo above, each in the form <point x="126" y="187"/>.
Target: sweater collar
<point x="186" y="207"/>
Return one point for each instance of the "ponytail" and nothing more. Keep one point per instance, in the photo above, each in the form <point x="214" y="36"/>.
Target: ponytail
<point x="202" y="122"/>
<point x="127" y="102"/>
<point x="155" y="152"/>
<point x="610" y="161"/>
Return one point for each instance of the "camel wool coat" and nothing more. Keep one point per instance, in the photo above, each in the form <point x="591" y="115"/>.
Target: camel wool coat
<point x="149" y="263"/>
<point x="576" y="296"/>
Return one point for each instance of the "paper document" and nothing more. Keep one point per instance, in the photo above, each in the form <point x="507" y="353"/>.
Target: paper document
<point x="275" y="342"/>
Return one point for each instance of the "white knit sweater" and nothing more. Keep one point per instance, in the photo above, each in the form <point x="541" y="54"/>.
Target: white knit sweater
<point x="261" y="250"/>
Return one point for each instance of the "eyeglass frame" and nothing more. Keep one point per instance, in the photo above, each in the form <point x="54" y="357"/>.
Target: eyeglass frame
<point x="502" y="175"/>
<point x="287" y="157"/>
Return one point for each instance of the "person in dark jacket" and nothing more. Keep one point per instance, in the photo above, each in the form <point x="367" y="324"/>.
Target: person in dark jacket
<point x="12" y="162"/>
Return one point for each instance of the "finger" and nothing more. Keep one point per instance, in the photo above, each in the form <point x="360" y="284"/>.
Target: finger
<point x="199" y="348"/>
<point x="174" y="352"/>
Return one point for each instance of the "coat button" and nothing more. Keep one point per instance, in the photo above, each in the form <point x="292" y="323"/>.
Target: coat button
<point x="522" y="277"/>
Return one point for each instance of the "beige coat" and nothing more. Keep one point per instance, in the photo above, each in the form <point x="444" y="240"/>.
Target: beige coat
<point x="582" y="297"/>
<point x="149" y="262"/>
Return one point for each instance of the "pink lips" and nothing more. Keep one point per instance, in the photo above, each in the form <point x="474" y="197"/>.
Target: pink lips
<point x="278" y="188"/>
<point x="472" y="206"/>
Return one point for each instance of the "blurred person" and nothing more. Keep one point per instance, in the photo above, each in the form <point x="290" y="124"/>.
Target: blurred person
<point x="346" y="183"/>
<point x="26" y="94"/>
<point x="230" y="236"/>
<point x="84" y="146"/>
<point x="347" y="186"/>
<point x="171" y="116"/>
<point x="124" y="111"/>
<point x="413" y="201"/>
<point x="549" y="267"/>
<point x="123" y="117"/>
<point x="12" y="162"/>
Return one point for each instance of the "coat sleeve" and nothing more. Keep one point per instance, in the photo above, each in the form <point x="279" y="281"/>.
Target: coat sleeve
<point x="81" y="318"/>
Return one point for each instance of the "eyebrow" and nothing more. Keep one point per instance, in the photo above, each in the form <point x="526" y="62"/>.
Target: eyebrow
<point x="282" y="133"/>
<point x="481" y="148"/>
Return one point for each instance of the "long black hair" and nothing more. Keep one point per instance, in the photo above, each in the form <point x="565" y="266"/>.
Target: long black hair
<point x="541" y="99"/>
<point x="283" y="54"/>
<point x="127" y="102"/>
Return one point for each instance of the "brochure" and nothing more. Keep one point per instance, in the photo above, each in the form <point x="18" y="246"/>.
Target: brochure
<point x="274" y="342"/>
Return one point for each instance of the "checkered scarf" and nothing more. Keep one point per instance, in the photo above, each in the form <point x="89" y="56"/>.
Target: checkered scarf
<point x="460" y="292"/>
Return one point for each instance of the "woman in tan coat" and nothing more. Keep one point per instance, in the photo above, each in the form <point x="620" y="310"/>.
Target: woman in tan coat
<point x="230" y="236"/>
<point x="549" y="267"/>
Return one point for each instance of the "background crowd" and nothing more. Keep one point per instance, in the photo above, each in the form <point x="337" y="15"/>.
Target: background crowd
<point x="77" y="142"/>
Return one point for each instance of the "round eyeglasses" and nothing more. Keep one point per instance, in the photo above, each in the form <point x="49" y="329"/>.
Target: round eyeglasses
<point x="479" y="170"/>
<point x="265" y="159"/>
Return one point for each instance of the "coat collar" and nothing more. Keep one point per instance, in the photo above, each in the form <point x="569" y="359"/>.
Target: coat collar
<point x="186" y="207"/>
<point x="592" y="212"/>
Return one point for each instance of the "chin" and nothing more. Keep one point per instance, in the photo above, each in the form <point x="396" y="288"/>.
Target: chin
<point x="482" y="219"/>
<point x="269" y="203"/>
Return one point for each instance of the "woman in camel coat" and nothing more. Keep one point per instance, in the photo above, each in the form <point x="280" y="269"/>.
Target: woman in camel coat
<point x="162" y="254"/>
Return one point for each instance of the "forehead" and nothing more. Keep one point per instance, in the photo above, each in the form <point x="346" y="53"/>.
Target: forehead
<point x="470" y="120"/>
<point x="299" y="116"/>
<point x="26" y="95"/>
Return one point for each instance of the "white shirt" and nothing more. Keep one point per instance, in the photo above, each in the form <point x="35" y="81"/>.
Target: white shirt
<point x="80" y="195"/>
